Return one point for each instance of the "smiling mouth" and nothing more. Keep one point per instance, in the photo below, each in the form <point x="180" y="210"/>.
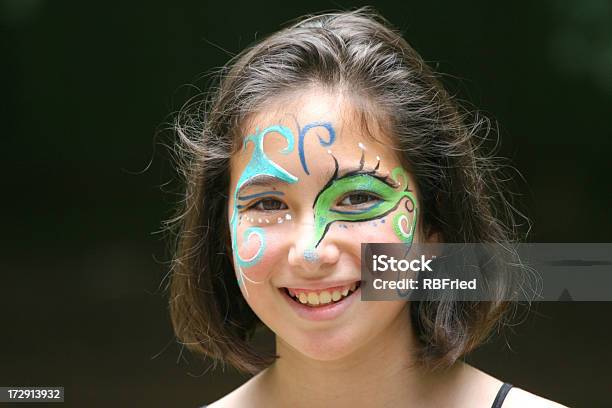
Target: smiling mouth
<point x="320" y="298"/>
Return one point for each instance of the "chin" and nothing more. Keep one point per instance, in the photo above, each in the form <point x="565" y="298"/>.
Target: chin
<point x="329" y="344"/>
<point x="362" y="324"/>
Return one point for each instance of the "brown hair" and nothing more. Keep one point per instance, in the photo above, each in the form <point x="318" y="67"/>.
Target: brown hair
<point x="460" y="193"/>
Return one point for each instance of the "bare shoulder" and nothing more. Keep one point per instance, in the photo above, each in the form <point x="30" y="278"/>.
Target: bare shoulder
<point x="245" y="395"/>
<point x="519" y="398"/>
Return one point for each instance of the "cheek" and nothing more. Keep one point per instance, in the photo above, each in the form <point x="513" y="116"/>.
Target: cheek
<point x="264" y="249"/>
<point x="384" y="230"/>
<point x="380" y="230"/>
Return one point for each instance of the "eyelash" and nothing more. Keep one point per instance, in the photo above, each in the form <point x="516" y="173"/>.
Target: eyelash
<point x="371" y="197"/>
<point x="258" y="202"/>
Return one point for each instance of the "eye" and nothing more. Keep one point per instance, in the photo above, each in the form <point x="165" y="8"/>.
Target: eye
<point x="358" y="198"/>
<point x="268" y="204"/>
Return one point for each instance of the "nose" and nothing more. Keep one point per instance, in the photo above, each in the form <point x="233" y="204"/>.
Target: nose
<point x="307" y="258"/>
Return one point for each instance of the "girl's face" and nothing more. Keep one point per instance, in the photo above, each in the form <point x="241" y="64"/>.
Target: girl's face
<point x="307" y="188"/>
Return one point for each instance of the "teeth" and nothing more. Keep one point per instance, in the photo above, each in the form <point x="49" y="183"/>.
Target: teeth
<point x="325" y="297"/>
<point x="313" y="299"/>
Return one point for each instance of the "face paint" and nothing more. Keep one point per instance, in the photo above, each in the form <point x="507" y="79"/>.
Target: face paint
<point x="259" y="166"/>
<point x="311" y="255"/>
<point x="388" y="191"/>
<point x="265" y="193"/>
<point x="251" y="196"/>
<point x="366" y="182"/>
<point x="302" y="135"/>
<point x="401" y="218"/>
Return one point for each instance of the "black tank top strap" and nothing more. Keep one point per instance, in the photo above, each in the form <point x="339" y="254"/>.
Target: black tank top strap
<point x="499" y="398"/>
<point x="501" y="395"/>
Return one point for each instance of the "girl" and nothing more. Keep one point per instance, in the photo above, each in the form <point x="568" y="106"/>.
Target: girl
<point x="327" y="134"/>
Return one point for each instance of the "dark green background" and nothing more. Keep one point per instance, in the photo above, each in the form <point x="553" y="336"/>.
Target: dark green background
<point x="86" y="85"/>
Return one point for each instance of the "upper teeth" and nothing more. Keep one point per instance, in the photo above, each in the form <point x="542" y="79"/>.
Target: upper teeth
<point x="323" y="297"/>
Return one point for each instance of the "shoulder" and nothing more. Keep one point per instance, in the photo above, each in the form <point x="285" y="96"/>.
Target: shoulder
<point x="519" y="398"/>
<point x="246" y="395"/>
<point x="477" y="385"/>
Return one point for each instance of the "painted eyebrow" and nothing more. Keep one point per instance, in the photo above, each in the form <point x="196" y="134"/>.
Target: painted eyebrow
<point x="265" y="180"/>
<point x="271" y="192"/>
<point x="261" y="180"/>
<point x="355" y="171"/>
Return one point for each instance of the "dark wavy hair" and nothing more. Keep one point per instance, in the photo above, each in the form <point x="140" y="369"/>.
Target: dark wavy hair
<point x="461" y="193"/>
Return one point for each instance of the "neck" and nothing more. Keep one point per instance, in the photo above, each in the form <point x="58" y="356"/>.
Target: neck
<point x="381" y="373"/>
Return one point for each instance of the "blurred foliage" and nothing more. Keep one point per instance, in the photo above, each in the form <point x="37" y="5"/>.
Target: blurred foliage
<point x="89" y="86"/>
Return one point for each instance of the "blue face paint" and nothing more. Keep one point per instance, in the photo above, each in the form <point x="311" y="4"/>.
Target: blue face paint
<point x="360" y="211"/>
<point x="248" y="197"/>
<point x="310" y="255"/>
<point x="259" y="165"/>
<point x="302" y="135"/>
<point x="262" y="194"/>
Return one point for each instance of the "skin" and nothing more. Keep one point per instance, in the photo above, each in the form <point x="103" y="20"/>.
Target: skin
<point x="305" y="233"/>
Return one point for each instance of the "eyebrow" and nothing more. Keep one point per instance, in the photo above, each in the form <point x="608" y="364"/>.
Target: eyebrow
<point x="261" y="180"/>
<point x="355" y="171"/>
<point x="266" y="180"/>
<point x="263" y="193"/>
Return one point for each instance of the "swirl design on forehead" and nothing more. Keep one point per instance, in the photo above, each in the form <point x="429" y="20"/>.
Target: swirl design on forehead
<point x="259" y="165"/>
<point x="302" y="134"/>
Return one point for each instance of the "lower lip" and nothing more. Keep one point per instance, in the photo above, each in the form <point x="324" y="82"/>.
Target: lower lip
<point x="321" y="313"/>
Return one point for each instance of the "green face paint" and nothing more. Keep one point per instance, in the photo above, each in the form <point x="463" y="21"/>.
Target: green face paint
<point x="367" y="183"/>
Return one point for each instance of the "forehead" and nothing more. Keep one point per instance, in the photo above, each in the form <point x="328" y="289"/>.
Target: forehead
<point x="319" y="123"/>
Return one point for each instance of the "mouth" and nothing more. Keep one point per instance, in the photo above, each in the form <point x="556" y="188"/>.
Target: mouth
<point x="312" y="298"/>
